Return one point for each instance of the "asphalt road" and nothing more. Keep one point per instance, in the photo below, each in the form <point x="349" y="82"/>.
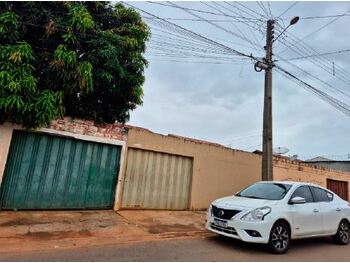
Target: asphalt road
<point x="204" y="249"/>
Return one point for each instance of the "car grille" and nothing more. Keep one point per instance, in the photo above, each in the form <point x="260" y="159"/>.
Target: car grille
<point x="224" y="213"/>
<point x="228" y="230"/>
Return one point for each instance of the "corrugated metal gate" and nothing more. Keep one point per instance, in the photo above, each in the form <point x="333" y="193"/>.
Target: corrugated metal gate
<point x="338" y="187"/>
<point x="52" y="172"/>
<point x="155" y="180"/>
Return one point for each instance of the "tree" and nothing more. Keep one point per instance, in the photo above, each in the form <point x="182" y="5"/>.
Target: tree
<point x="78" y="59"/>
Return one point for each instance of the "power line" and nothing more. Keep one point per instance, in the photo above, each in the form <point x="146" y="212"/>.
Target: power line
<point x="212" y="23"/>
<point x="285" y="11"/>
<point x="254" y="45"/>
<point x="320" y="80"/>
<point x="247" y="8"/>
<point x="341" y="106"/>
<point x="196" y="10"/>
<point x="316" y="31"/>
<point x="324" y="26"/>
<point x="318" y="55"/>
<point x="200" y="20"/>
<point x="240" y="12"/>
<point x="318" y="61"/>
<point x="197" y="35"/>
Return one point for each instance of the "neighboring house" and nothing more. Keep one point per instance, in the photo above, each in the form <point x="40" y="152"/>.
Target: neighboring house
<point x="331" y="164"/>
<point x="75" y="164"/>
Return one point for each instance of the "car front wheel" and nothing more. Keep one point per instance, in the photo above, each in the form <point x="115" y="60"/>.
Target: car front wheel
<point x="279" y="238"/>
<point x="342" y="236"/>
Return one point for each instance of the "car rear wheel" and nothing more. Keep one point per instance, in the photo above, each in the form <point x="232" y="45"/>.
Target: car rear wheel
<point x="342" y="236"/>
<point x="279" y="238"/>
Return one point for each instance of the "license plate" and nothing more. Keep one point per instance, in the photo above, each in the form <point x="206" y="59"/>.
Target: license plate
<point x="220" y="223"/>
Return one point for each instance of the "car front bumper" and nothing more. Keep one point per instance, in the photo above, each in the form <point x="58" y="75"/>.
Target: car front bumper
<point x="239" y="229"/>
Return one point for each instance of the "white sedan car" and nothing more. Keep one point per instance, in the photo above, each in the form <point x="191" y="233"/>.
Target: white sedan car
<point x="275" y="212"/>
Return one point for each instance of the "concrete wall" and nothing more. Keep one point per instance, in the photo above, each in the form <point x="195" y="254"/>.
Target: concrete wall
<point x="5" y="141"/>
<point x="217" y="171"/>
<point x="334" y="165"/>
<point x="286" y="169"/>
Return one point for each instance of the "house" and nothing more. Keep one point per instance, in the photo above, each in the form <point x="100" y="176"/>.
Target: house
<point x="341" y="165"/>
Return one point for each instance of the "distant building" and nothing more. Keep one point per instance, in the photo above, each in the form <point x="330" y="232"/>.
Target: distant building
<point x="331" y="164"/>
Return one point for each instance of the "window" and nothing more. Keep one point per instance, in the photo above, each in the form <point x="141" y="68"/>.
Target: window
<point x="321" y="195"/>
<point x="269" y="191"/>
<point x="304" y="192"/>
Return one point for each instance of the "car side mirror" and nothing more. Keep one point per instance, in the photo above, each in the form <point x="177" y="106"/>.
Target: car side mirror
<point x="297" y="200"/>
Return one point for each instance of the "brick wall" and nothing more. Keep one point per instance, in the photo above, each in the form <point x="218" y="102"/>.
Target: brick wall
<point x="84" y="127"/>
<point x="286" y="169"/>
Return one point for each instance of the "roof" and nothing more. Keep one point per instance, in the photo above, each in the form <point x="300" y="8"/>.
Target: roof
<point x="319" y="159"/>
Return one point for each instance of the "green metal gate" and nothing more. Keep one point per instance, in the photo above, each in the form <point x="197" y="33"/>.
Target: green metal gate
<point x="51" y="172"/>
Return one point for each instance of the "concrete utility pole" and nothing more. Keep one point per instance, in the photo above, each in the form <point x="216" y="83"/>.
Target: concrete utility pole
<point x="267" y="65"/>
<point x="267" y="162"/>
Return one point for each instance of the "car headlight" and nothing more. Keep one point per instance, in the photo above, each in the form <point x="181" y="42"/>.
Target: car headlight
<point x="210" y="210"/>
<point x="257" y="214"/>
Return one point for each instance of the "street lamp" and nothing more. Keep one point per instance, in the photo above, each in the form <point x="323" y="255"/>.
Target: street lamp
<point x="293" y="21"/>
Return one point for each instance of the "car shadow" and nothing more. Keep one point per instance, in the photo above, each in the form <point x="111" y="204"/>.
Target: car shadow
<point x="296" y="245"/>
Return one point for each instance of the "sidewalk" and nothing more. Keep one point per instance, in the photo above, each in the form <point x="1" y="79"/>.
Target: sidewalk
<point x="41" y="231"/>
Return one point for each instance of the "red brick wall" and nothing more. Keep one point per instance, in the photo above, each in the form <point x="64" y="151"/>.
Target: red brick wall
<point x="84" y="127"/>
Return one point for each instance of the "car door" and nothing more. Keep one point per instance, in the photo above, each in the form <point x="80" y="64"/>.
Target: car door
<point x="307" y="219"/>
<point x="330" y="210"/>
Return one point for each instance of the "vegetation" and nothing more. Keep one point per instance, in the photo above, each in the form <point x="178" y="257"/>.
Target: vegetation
<point x="79" y="59"/>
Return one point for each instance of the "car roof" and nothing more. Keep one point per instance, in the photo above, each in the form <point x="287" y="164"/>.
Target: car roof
<point x="289" y="182"/>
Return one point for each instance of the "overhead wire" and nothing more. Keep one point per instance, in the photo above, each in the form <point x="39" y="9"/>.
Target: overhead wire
<point x="340" y="105"/>
<point x="249" y="25"/>
<point x="211" y="23"/>
<point x="197" y="35"/>
<point x="345" y="108"/>
<point x="318" y="55"/>
<point x="319" y="61"/>
<point x="252" y="43"/>
<point x="316" y="31"/>
<point x="285" y="11"/>
<point x="197" y="10"/>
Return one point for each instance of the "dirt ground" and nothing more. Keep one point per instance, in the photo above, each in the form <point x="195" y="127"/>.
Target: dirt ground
<point x="43" y="231"/>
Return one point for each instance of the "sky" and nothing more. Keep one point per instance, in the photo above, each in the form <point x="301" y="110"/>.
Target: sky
<point x="223" y="102"/>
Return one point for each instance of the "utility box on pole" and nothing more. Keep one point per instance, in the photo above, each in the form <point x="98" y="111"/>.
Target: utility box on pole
<point x="267" y="156"/>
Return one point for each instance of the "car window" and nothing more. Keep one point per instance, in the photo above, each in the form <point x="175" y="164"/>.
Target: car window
<point x="303" y="191"/>
<point x="269" y="191"/>
<point x="321" y="195"/>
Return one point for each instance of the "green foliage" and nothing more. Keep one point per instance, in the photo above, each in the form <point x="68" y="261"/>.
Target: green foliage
<point x="80" y="59"/>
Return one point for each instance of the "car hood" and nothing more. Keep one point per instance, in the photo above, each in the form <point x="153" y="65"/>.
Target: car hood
<point x="242" y="203"/>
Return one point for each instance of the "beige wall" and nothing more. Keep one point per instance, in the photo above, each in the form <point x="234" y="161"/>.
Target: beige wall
<point x="217" y="171"/>
<point x="285" y="169"/>
<point x="5" y="141"/>
<point x="220" y="171"/>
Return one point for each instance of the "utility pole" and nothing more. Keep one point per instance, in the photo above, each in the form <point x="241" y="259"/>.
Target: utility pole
<point x="267" y="156"/>
<point x="267" y="65"/>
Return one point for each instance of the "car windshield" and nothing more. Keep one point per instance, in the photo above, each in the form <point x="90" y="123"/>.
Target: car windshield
<point x="269" y="191"/>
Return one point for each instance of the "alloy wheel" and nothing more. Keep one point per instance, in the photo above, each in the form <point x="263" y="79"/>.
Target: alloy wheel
<point x="280" y="237"/>
<point x="344" y="231"/>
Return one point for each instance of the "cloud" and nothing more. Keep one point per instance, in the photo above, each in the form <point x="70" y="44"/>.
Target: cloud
<point x="224" y="102"/>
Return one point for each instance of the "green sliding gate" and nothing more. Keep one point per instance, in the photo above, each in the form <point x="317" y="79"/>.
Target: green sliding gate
<point x="51" y="172"/>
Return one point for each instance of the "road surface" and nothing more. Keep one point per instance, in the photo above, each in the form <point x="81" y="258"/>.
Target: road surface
<point x="201" y="249"/>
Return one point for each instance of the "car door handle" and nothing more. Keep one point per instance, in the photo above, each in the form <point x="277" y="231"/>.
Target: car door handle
<point x="338" y="209"/>
<point x="316" y="210"/>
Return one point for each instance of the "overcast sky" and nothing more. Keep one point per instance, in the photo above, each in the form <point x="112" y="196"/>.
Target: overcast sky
<point x="223" y="103"/>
